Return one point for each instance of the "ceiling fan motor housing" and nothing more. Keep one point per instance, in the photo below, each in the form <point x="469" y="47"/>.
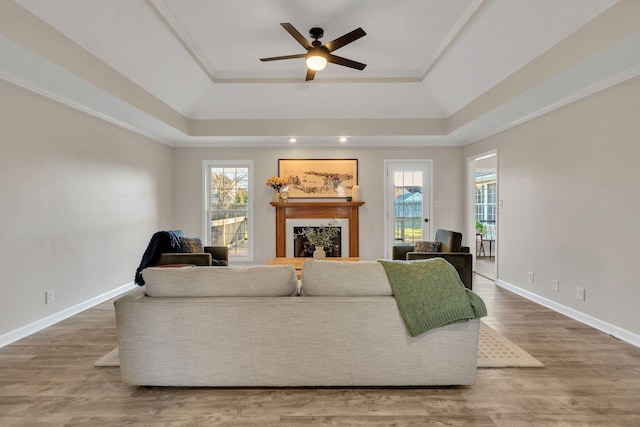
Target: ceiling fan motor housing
<point x="316" y="33"/>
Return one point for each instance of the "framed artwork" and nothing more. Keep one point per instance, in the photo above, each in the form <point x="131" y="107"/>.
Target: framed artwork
<point x="319" y="178"/>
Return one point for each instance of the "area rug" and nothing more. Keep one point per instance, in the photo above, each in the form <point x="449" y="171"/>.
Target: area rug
<point x="494" y="351"/>
<point x="110" y="359"/>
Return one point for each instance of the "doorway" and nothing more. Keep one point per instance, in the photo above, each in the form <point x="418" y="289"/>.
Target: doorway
<point x="408" y="204"/>
<point x="482" y="209"/>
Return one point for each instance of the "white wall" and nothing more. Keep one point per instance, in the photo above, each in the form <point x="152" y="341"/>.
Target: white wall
<point x="79" y="199"/>
<point x="488" y="163"/>
<point x="448" y="188"/>
<point x="569" y="181"/>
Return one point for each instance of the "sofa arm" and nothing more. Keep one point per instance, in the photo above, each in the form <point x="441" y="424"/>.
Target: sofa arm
<point x="201" y="259"/>
<point x="131" y="296"/>
<point x="400" y="251"/>
<point x="219" y="253"/>
<point x="462" y="262"/>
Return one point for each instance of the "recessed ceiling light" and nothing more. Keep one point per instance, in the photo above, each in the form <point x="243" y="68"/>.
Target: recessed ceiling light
<point x="343" y="139"/>
<point x="292" y="140"/>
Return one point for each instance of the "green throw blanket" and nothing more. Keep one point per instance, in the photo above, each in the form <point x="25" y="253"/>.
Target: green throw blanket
<point x="429" y="294"/>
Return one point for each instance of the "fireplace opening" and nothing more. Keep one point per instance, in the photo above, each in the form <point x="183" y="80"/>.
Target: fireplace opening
<point x="298" y="246"/>
<point x="303" y="248"/>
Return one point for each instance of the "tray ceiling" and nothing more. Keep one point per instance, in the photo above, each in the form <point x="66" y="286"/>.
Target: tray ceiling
<point x="439" y="72"/>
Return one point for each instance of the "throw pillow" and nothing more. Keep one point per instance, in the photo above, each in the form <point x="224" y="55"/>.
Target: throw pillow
<point x="424" y="246"/>
<point x="191" y="245"/>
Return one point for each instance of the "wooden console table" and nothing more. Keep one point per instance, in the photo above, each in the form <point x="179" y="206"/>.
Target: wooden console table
<point x="322" y="210"/>
<point x="297" y="262"/>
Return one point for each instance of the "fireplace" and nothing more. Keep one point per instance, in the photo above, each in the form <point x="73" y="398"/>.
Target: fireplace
<point x="322" y="212"/>
<point x="298" y="246"/>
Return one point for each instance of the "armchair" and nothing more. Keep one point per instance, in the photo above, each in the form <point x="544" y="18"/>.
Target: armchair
<point x="171" y="247"/>
<point x="451" y="250"/>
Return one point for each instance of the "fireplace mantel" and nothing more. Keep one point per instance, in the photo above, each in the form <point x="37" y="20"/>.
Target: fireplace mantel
<point x="328" y="210"/>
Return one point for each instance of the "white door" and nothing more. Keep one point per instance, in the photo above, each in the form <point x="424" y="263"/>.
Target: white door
<point x="408" y="202"/>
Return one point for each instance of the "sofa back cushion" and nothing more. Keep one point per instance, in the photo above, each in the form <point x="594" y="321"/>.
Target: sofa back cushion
<point x="451" y="240"/>
<point x="258" y="281"/>
<point x="344" y="278"/>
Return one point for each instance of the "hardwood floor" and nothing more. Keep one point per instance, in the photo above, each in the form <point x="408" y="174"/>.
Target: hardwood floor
<point x="485" y="267"/>
<point x="589" y="379"/>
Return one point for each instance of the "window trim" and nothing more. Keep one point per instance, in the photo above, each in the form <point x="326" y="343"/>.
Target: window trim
<point x="206" y="194"/>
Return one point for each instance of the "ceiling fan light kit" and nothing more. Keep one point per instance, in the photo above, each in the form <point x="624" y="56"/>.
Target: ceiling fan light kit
<point x="316" y="61"/>
<point x="317" y="55"/>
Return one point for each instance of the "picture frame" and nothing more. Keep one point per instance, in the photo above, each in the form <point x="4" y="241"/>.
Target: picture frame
<point x="319" y="178"/>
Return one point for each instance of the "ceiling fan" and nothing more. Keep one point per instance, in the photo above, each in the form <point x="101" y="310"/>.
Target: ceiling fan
<point x="318" y="55"/>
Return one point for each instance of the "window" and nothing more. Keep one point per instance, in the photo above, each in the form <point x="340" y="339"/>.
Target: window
<point x="486" y="201"/>
<point x="228" y="202"/>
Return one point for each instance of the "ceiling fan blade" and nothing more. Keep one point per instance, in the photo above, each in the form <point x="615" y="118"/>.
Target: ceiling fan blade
<point x="278" y="58"/>
<point x="346" y="39"/>
<point x="310" y="74"/>
<point x="296" y="35"/>
<point x="346" y="62"/>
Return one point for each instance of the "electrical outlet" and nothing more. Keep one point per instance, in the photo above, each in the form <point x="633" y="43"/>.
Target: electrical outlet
<point x="580" y="293"/>
<point x="555" y="285"/>
<point x="530" y="277"/>
<point x="48" y="297"/>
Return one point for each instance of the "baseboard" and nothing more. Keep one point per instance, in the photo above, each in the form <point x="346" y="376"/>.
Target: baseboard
<point x="54" y="318"/>
<point x="601" y="325"/>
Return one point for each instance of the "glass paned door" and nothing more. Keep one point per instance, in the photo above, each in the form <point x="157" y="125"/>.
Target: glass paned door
<point x="408" y="202"/>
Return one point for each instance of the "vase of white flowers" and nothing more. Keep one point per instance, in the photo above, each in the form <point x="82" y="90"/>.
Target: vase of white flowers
<point x="319" y="253"/>
<point x="321" y="237"/>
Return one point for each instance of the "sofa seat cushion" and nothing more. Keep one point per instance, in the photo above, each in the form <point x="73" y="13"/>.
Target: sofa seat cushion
<point x="344" y="278"/>
<point x="258" y="281"/>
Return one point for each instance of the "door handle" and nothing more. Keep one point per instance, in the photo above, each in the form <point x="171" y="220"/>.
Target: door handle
<point x="426" y="220"/>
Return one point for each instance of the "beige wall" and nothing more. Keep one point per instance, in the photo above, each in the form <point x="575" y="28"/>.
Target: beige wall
<point x="79" y="199"/>
<point x="447" y="188"/>
<point x="569" y="181"/>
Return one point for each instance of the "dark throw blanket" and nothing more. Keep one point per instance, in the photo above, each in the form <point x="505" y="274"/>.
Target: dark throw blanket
<point x="429" y="294"/>
<point x="162" y="241"/>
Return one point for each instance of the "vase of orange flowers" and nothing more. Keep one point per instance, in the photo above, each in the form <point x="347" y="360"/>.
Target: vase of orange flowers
<point x="276" y="183"/>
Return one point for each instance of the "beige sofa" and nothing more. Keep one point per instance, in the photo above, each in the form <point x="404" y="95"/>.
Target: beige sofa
<point x="208" y="326"/>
